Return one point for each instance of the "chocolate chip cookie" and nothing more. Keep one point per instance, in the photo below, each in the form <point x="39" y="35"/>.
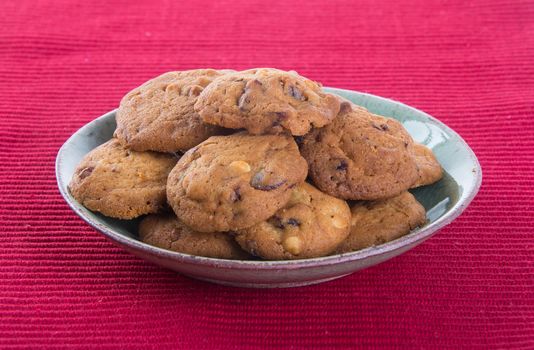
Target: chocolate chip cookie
<point x="428" y="168"/>
<point x="159" y="115"/>
<point x="121" y="183"/>
<point x="360" y="156"/>
<point x="311" y="224"/>
<point x="378" y="222"/>
<point x="233" y="182"/>
<point x="266" y="100"/>
<point x="167" y="232"/>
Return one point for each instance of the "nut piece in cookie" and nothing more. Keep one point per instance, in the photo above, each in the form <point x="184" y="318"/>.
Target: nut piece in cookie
<point x="159" y="115"/>
<point x="167" y="232"/>
<point x="232" y="182"/>
<point x="428" y="168"/>
<point x="121" y="183"/>
<point x="311" y="224"/>
<point x="378" y="222"/>
<point x="266" y="100"/>
<point x="360" y="156"/>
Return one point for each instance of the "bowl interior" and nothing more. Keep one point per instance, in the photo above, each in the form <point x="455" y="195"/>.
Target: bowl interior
<point x="443" y="200"/>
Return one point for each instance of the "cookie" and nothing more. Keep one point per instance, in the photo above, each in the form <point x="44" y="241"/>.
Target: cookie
<point x="232" y="182"/>
<point x="159" y="115"/>
<point x="168" y="232"/>
<point x="266" y="100"/>
<point x="360" y="156"/>
<point x="121" y="183"/>
<point x="311" y="224"/>
<point x="428" y="168"/>
<point x="378" y="222"/>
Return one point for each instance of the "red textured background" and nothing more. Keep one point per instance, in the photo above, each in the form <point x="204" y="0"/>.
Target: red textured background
<point x="469" y="63"/>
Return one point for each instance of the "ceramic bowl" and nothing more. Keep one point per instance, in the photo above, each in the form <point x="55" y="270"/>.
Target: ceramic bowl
<point x="444" y="201"/>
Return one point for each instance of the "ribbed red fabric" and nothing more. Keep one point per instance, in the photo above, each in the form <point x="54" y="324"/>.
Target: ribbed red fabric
<point x="469" y="63"/>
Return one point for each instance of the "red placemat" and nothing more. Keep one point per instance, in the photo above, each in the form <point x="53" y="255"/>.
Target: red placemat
<point x="469" y="63"/>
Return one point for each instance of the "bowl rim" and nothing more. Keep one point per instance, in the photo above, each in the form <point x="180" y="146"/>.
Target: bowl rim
<point x="411" y="238"/>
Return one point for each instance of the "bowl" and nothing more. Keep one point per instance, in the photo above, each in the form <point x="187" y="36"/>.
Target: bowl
<point x="444" y="201"/>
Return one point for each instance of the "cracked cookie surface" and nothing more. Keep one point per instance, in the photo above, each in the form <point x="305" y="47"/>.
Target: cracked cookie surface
<point x="311" y="224"/>
<point x="378" y="222"/>
<point x="168" y="232"/>
<point x="159" y="115"/>
<point x="121" y="183"/>
<point x="232" y="182"/>
<point x="360" y="156"/>
<point x="266" y="100"/>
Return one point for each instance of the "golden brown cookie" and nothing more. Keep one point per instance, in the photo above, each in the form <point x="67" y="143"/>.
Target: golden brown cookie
<point x="428" y="168"/>
<point x="121" y="183"/>
<point x="378" y="222"/>
<point x="311" y="224"/>
<point x="159" y="115"/>
<point x="360" y="156"/>
<point x="232" y="182"/>
<point x="167" y="232"/>
<point x="266" y="100"/>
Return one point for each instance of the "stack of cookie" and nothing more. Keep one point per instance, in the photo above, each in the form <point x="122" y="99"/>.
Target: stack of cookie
<point x="255" y="164"/>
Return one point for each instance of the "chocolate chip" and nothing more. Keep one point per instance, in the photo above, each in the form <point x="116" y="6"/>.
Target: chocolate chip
<point x="276" y="222"/>
<point x="244" y="102"/>
<point x="236" y="195"/>
<point x="295" y="93"/>
<point x="261" y="181"/>
<point x="293" y="222"/>
<point x="252" y="247"/>
<point x="299" y="140"/>
<point x="342" y="165"/>
<point x="381" y="127"/>
<point x="85" y="172"/>
<point x="273" y="186"/>
<point x="257" y="178"/>
<point x="267" y="187"/>
<point x="280" y="117"/>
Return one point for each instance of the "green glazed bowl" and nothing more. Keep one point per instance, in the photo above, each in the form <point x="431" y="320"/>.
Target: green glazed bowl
<point x="444" y="201"/>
